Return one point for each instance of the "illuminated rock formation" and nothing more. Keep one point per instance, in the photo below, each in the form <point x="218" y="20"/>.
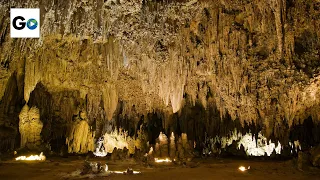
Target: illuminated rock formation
<point x="110" y="100"/>
<point x="81" y="137"/>
<point x="162" y="146"/>
<point x="183" y="148"/>
<point x="172" y="150"/>
<point x="30" y="127"/>
<point x="251" y="62"/>
<point x="115" y="140"/>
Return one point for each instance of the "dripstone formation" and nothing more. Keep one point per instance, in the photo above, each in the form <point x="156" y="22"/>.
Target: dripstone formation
<point x="195" y="67"/>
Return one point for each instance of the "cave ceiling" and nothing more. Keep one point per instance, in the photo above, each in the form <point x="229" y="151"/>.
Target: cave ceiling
<point x="257" y="61"/>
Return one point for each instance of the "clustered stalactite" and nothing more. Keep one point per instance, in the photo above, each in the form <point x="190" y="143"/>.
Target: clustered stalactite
<point x="247" y="61"/>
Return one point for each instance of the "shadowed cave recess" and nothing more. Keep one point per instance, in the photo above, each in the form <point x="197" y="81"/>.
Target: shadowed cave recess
<point x="171" y="79"/>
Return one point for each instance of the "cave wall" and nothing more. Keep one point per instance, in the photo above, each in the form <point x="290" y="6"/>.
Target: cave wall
<point x="251" y="62"/>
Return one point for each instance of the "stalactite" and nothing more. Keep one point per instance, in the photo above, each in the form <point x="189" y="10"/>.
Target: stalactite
<point x="110" y="100"/>
<point x="277" y="7"/>
<point x="3" y="81"/>
<point x="255" y="61"/>
<point x="32" y="77"/>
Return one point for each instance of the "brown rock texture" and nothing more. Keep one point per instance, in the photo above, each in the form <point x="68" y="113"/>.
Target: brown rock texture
<point x="81" y="138"/>
<point x="30" y="127"/>
<point x="253" y="61"/>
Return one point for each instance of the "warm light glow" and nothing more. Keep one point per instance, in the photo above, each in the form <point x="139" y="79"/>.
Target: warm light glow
<point x="258" y="147"/>
<point x="295" y="145"/>
<point x="116" y="139"/>
<point x="40" y="157"/>
<point x="242" y="168"/>
<point x="123" y="172"/>
<point x="117" y="172"/>
<point x="162" y="160"/>
<point x="100" y="153"/>
<point x="128" y="171"/>
<point x="253" y="145"/>
<point x="150" y="151"/>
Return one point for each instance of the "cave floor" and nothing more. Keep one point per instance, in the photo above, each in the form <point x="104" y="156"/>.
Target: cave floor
<point x="61" y="168"/>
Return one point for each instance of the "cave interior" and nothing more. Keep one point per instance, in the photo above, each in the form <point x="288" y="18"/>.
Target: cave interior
<point x="166" y="89"/>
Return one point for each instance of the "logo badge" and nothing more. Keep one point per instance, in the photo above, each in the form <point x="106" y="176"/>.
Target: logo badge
<point x="24" y="23"/>
<point x="32" y="24"/>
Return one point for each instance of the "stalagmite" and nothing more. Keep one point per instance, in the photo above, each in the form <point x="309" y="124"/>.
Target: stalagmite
<point x="180" y="149"/>
<point x="81" y="138"/>
<point x="253" y="146"/>
<point x="141" y="142"/>
<point x="157" y="150"/>
<point x="184" y="149"/>
<point x="99" y="148"/>
<point x="315" y="156"/>
<point x="172" y="149"/>
<point x="118" y="139"/>
<point x="30" y="127"/>
<point x="163" y="145"/>
<point x="219" y="77"/>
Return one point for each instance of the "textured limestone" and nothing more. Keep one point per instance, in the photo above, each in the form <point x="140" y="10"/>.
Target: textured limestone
<point x="172" y="149"/>
<point x="81" y="138"/>
<point x="110" y="100"/>
<point x="119" y="139"/>
<point x="162" y="146"/>
<point x="256" y="61"/>
<point x="30" y="127"/>
<point x="315" y="156"/>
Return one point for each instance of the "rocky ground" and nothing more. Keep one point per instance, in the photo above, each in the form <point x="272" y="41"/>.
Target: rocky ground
<point x="62" y="168"/>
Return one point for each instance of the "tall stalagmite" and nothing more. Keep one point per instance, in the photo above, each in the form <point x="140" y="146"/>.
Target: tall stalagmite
<point x="80" y="138"/>
<point x="30" y="127"/>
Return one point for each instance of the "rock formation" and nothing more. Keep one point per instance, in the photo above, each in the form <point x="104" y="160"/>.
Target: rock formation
<point x="315" y="156"/>
<point x="176" y="66"/>
<point x="172" y="149"/>
<point x="162" y="146"/>
<point x="30" y="127"/>
<point x="81" y="137"/>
